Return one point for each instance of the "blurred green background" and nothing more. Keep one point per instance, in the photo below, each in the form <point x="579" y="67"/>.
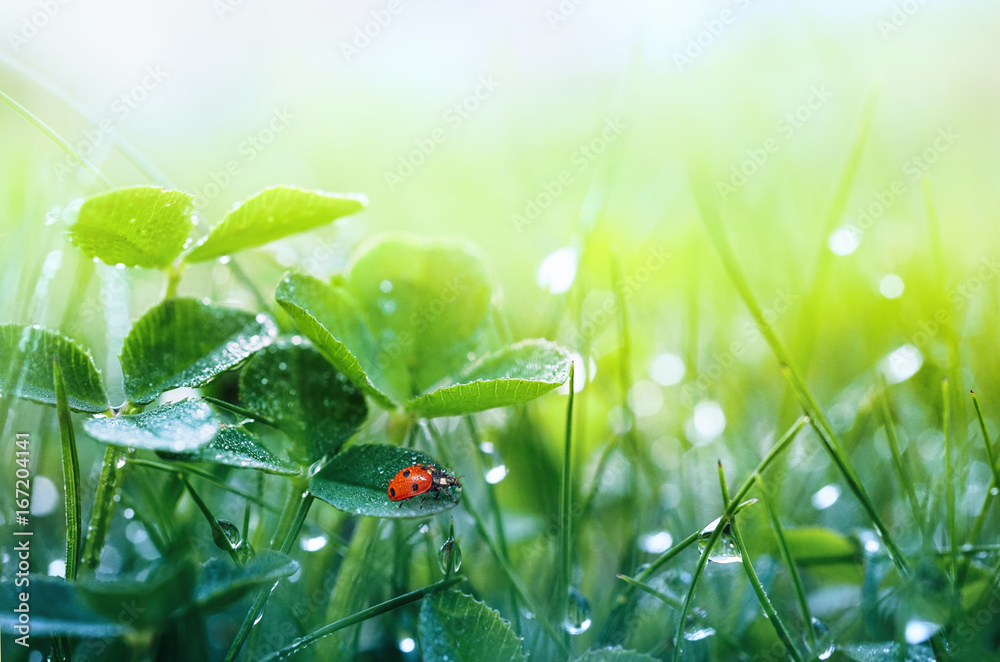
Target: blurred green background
<point x="557" y="136"/>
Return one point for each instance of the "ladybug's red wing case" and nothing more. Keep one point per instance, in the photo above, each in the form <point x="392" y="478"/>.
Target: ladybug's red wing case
<point x="409" y="482"/>
<point x="421" y="479"/>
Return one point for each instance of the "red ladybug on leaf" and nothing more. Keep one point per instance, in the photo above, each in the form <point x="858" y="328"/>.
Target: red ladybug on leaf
<point x="422" y="479"/>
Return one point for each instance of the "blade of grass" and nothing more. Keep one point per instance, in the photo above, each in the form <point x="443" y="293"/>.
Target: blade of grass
<point x="52" y="135"/>
<point x="71" y="490"/>
<point x="720" y="240"/>
<point x="494" y="507"/>
<point x="505" y="565"/>
<point x="291" y="523"/>
<point x="805" y="334"/>
<point x="180" y="468"/>
<point x="949" y="484"/>
<point x="71" y="475"/>
<point x="565" y="516"/>
<point x="944" y="302"/>
<point x="748" y="484"/>
<point x="977" y="528"/>
<point x="100" y="519"/>
<point x="897" y="459"/>
<point x="217" y="533"/>
<point x="765" y="603"/>
<point x="793" y="570"/>
<point x="302" y="643"/>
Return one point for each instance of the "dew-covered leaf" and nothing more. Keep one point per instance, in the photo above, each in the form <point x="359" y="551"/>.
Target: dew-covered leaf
<point x="889" y="651"/>
<point x="55" y="609"/>
<point x="26" y="368"/>
<point x="455" y="627"/>
<point x="614" y="655"/>
<point x="142" y="226"/>
<point x="329" y="317"/>
<point x="508" y="376"/>
<point x="272" y="214"/>
<point x="234" y="446"/>
<point x="177" y="427"/>
<point x="428" y="303"/>
<point x="221" y="583"/>
<point x="183" y="342"/>
<point x="306" y="397"/>
<point x="357" y="481"/>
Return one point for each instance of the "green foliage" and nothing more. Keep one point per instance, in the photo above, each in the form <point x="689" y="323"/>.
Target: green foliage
<point x="508" y="376"/>
<point x="183" y="342"/>
<point x="328" y="316"/>
<point x="26" y="354"/>
<point x="305" y="396"/>
<point x="234" y="446"/>
<point x="221" y="583"/>
<point x="357" y="481"/>
<point x="176" y="427"/>
<point x="455" y="627"/>
<point x="272" y="214"/>
<point x="407" y="324"/>
<point x="56" y="609"/>
<point x="142" y="226"/>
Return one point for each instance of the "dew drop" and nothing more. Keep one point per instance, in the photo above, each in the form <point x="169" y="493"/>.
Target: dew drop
<point x="227" y="535"/>
<point x="824" y="646"/>
<point x="120" y="463"/>
<point x="725" y="550"/>
<point x="450" y="557"/>
<point x="577" y="620"/>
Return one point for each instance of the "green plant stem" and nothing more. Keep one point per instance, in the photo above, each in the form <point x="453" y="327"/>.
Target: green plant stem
<point x="201" y="473"/>
<point x="779" y="626"/>
<point x="793" y="571"/>
<point x="173" y="279"/>
<point x="104" y="503"/>
<point x="291" y="523"/>
<point x="695" y="578"/>
<point x="501" y="560"/>
<point x="566" y="515"/>
<point x="302" y="643"/>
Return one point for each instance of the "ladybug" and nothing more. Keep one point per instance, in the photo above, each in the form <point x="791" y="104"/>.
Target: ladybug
<point x="421" y="479"/>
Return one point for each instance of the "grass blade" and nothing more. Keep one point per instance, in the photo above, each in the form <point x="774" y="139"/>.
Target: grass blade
<point x="104" y="503"/>
<point x="565" y="515"/>
<point x="977" y="527"/>
<point x="897" y="459"/>
<point x="949" y="484"/>
<point x="302" y="643"/>
<point x="71" y="476"/>
<point x="765" y="603"/>
<point x="786" y="556"/>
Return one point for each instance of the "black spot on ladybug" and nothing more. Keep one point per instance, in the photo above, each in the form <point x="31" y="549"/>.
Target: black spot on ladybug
<point x="415" y="487"/>
<point x="392" y="491"/>
<point x="406" y="474"/>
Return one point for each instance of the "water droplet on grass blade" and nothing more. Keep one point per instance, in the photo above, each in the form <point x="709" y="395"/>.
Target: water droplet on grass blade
<point x="725" y="550"/>
<point x="824" y="646"/>
<point x="450" y="555"/>
<point x="231" y="533"/>
<point x="577" y="620"/>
